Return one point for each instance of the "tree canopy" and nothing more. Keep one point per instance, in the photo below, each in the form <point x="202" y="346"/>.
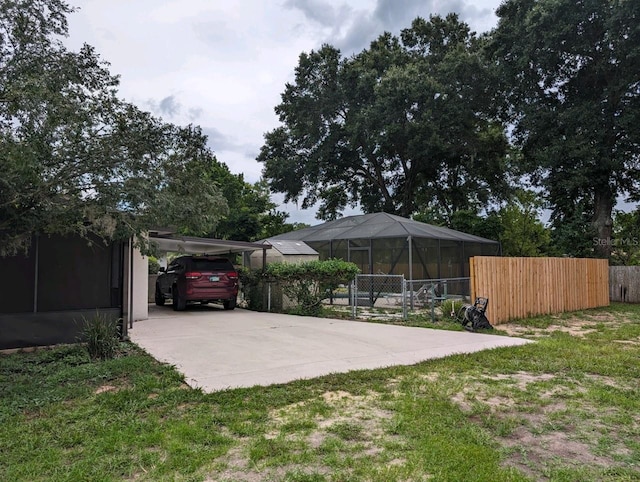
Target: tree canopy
<point x="401" y="126"/>
<point x="408" y="126"/>
<point x="625" y="245"/>
<point x="74" y="157"/>
<point x="569" y="72"/>
<point x="252" y="215"/>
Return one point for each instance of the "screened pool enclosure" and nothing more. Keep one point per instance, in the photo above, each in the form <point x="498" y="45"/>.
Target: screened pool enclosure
<point x="382" y="243"/>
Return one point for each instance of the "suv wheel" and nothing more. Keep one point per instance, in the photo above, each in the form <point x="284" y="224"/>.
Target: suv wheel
<point x="229" y="304"/>
<point x="159" y="298"/>
<point x="179" y="302"/>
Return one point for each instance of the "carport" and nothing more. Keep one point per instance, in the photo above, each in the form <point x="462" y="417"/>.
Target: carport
<point x="166" y="241"/>
<point x="136" y="305"/>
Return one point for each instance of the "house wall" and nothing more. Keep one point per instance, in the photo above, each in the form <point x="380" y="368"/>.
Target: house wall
<point x="275" y="256"/>
<point x="140" y="285"/>
<point x="302" y="258"/>
<point x="46" y="294"/>
<point x="152" y="288"/>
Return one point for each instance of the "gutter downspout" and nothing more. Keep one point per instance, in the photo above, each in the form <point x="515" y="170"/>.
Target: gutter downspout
<point x="131" y="283"/>
<point x="410" y="242"/>
<point x="35" y="276"/>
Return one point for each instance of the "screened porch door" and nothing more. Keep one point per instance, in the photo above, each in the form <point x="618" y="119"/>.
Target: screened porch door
<point x="361" y="257"/>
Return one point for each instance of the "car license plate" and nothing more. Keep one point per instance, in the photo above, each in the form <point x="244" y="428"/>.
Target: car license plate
<point x="214" y="278"/>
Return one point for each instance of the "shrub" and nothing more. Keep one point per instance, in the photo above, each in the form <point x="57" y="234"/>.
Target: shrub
<point x="307" y="284"/>
<point x="100" y="333"/>
<point x="451" y="306"/>
<point x="154" y="266"/>
<point x="252" y="285"/>
<point x="310" y="283"/>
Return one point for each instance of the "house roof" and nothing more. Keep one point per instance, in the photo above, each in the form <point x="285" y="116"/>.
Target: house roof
<point x="377" y="225"/>
<point x="288" y="247"/>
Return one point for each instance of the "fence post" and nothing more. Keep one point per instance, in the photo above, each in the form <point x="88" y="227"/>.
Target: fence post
<point x="433" y="302"/>
<point x="405" y="314"/>
<point x="269" y="297"/>
<point x="353" y="297"/>
<point x="411" y="290"/>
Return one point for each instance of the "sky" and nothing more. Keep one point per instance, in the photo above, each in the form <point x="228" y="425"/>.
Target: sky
<point x="223" y="64"/>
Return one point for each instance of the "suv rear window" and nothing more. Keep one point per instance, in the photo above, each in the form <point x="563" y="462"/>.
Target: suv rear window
<point x="211" y="265"/>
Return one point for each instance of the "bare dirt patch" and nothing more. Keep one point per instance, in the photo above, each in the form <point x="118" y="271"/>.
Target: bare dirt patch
<point x="105" y="388"/>
<point x="633" y="343"/>
<point x="544" y="427"/>
<point x="574" y="328"/>
<point x="429" y="377"/>
<point x="577" y="325"/>
<point x="610" y="382"/>
<point x="540" y="449"/>
<point x="361" y="411"/>
<point x="363" y="414"/>
<point x="478" y="392"/>
<point x="332" y="397"/>
<point x="521" y="379"/>
<point x="237" y="467"/>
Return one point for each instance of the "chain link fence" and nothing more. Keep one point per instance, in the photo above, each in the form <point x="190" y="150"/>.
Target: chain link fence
<point x="429" y="294"/>
<point x="267" y="296"/>
<point x="397" y="297"/>
<point x="369" y="296"/>
<point x="375" y="295"/>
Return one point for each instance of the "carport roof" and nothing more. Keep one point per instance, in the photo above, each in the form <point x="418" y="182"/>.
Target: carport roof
<point x="167" y="242"/>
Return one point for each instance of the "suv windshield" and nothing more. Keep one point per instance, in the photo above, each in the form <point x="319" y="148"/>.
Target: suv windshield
<point x="211" y="265"/>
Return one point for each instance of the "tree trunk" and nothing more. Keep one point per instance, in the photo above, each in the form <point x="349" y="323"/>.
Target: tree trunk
<point x="602" y="221"/>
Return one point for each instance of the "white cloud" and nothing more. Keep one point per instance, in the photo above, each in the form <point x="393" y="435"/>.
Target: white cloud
<point x="225" y="64"/>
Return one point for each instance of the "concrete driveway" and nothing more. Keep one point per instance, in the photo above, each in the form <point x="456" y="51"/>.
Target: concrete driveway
<point x="217" y="349"/>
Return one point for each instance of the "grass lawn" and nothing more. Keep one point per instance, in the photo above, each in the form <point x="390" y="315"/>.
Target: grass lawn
<point x="566" y="408"/>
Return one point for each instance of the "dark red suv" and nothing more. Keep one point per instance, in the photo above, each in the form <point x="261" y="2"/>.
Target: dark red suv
<point x="198" y="278"/>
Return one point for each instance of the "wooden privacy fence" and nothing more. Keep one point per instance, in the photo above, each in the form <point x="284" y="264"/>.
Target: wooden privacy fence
<point x="524" y="287"/>
<point x="624" y="283"/>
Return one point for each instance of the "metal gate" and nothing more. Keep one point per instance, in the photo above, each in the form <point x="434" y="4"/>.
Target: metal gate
<point x="394" y="292"/>
<point x="378" y="291"/>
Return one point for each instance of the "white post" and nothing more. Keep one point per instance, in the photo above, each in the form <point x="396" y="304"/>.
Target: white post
<point x="404" y="299"/>
<point x="354" y="285"/>
<point x="269" y="297"/>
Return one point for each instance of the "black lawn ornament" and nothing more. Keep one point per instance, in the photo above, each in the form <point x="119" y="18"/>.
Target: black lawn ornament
<point x="473" y="317"/>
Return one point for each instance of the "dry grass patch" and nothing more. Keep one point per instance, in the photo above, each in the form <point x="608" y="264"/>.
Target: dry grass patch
<point x="105" y="388"/>
<point x="574" y="327"/>
<point x="542" y="420"/>
<point x="530" y="452"/>
<point x="336" y="424"/>
<point x="575" y="324"/>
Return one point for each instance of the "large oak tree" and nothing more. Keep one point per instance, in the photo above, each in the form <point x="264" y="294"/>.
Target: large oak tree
<point x="570" y="72"/>
<point x="400" y="127"/>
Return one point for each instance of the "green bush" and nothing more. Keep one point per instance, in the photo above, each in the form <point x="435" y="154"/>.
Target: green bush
<point x="307" y="284"/>
<point x="100" y="333"/>
<point x="154" y="266"/>
<point x="252" y="285"/>
<point x="449" y="306"/>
